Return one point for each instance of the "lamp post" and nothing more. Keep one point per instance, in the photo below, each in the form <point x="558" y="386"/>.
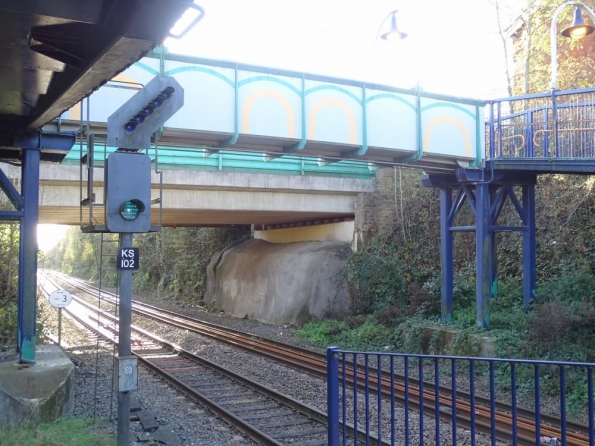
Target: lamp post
<point x="393" y="33"/>
<point x="392" y="36"/>
<point x="576" y="31"/>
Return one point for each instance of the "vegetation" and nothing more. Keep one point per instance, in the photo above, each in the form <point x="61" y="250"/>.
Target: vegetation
<point x="173" y="262"/>
<point x="395" y="280"/>
<point x="63" y="432"/>
<point x="531" y="36"/>
<point x="9" y="251"/>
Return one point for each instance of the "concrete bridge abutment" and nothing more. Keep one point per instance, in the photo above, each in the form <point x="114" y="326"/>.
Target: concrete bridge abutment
<point x="39" y="392"/>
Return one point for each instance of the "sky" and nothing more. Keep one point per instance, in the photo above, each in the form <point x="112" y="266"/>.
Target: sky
<point x="48" y="236"/>
<point x="452" y="46"/>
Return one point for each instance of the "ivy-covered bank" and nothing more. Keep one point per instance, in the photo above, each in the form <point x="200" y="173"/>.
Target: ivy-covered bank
<point x="394" y="282"/>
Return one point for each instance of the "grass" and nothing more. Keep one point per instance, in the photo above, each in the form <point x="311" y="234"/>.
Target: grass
<point x="63" y="432"/>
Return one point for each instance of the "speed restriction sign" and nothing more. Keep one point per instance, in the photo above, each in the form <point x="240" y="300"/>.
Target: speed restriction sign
<point x="60" y="298"/>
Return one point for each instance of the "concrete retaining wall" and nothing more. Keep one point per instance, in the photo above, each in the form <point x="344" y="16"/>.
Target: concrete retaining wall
<point x="279" y="283"/>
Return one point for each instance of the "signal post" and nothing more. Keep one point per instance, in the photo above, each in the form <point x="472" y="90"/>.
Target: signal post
<point x="127" y="203"/>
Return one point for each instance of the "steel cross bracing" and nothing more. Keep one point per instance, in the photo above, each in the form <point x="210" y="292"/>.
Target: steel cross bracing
<point x="526" y="136"/>
<point x="486" y="199"/>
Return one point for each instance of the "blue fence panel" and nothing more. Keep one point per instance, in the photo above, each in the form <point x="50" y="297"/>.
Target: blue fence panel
<point x="558" y="124"/>
<point x="401" y="399"/>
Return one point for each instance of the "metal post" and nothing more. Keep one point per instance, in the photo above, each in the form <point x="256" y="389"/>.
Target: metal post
<point x="27" y="293"/>
<point x="332" y="382"/>
<point x="493" y="249"/>
<point x="482" y="254"/>
<point x="493" y="264"/>
<point x="446" y="254"/>
<point x="124" y="349"/>
<point x="529" y="264"/>
<point x="59" y="327"/>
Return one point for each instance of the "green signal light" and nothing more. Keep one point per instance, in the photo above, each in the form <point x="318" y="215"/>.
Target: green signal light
<point x="131" y="209"/>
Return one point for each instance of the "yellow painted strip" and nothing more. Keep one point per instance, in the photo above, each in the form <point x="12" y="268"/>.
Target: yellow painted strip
<point x="255" y="96"/>
<point x="338" y="103"/>
<point x="447" y="119"/>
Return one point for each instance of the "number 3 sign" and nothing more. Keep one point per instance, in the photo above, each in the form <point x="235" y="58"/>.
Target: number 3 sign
<point x="60" y="298"/>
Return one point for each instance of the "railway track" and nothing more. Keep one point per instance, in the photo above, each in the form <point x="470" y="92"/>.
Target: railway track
<point x="266" y="416"/>
<point x="469" y="411"/>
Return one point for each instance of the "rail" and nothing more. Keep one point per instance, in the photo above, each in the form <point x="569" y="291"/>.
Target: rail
<point x="545" y="126"/>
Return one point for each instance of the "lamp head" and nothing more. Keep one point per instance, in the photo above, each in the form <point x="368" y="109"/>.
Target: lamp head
<point x="578" y="28"/>
<point x="393" y="33"/>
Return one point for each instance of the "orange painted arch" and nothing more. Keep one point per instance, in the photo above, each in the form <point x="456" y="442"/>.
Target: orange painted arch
<point x="255" y="96"/>
<point x="324" y="102"/>
<point x="447" y="119"/>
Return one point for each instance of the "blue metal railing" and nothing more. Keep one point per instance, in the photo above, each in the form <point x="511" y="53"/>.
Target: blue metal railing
<point x="402" y="399"/>
<point x="559" y="124"/>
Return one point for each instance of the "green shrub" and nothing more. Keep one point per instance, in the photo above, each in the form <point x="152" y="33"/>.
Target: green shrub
<point x="8" y="323"/>
<point x="466" y="343"/>
<point x="376" y="280"/>
<point x="324" y="333"/>
<point x="412" y="337"/>
<point x="369" y="336"/>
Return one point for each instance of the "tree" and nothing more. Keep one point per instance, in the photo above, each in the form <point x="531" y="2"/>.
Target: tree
<point x="530" y="35"/>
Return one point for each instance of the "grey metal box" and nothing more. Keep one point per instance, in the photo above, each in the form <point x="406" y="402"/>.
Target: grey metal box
<point x="127" y="373"/>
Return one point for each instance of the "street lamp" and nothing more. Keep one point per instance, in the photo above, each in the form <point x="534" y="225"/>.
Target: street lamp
<point x="393" y="33"/>
<point x="576" y="31"/>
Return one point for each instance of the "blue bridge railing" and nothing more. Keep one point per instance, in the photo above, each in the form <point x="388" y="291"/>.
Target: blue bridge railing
<point x="402" y="399"/>
<point x="559" y="124"/>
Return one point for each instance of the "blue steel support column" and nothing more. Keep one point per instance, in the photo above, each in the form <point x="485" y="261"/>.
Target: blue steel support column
<point x="446" y="254"/>
<point x="27" y="281"/>
<point x="493" y="250"/>
<point x="482" y="254"/>
<point x="493" y="264"/>
<point x="529" y="267"/>
<point x="332" y="395"/>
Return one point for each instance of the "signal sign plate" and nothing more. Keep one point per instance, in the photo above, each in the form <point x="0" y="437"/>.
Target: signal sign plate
<point x="60" y="298"/>
<point x="127" y="258"/>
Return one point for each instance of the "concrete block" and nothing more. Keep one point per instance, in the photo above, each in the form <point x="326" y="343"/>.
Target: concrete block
<point x="41" y="392"/>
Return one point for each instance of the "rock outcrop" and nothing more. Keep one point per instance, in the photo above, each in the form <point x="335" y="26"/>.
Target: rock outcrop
<point x="279" y="283"/>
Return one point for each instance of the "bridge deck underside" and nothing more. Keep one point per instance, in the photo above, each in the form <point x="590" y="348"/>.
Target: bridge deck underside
<point x="203" y="218"/>
<point x="204" y="198"/>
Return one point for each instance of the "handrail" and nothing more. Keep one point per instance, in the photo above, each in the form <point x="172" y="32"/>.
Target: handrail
<point x="538" y="126"/>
